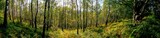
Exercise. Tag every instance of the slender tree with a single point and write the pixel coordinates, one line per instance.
(60, 24)
(51, 14)
(81, 14)
(21, 4)
(13, 10)
(96, 13)
(9, 12)
(35, 20)
(66, 18)
(48, 15)
(72, 10)
(62, 16)
(108, 13)
(77, 17)
(5, 14)
(60, 20)
(44, 21)
(92, 10)
(32, 13)
(64, 12)
(84, 15)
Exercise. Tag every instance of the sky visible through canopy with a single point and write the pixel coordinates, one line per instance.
(66, 2)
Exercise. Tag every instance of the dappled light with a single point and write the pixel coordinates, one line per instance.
(79, 19)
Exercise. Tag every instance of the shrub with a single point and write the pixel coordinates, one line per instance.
(148, 28)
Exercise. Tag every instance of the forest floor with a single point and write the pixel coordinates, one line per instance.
(115, 30)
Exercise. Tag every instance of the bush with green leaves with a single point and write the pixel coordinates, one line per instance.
(148, 28)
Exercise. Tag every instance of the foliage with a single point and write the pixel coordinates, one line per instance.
(2, 3)
(68, 21)
(149, 28)
(14, 30)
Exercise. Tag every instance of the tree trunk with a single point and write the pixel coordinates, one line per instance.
(44, 21)
(81, 20)
(5, 14)
(86, 23)
(35, 20)
(107, 18)
(77, 18)
(138, 10)
(84, 15)
(62, 17)
(66, 19)
(13, 10)
(48, 15)
(96, 13)
(32, 12)
(92, 22)
(21, 3)
(9, 12)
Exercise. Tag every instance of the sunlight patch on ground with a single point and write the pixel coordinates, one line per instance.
(110, 30)
(65, 34)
